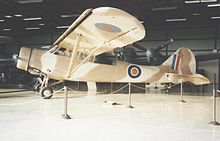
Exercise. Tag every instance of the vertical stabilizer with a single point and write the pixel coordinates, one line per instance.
(182, 61)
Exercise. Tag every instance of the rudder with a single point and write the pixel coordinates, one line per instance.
(182, 61)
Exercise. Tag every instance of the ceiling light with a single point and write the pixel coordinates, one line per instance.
(6, 29)
(32, 19)
(215, 17)
(192, 1)
(164, 8)
(32, 28)
(29, 1)
(61, 27)
(199, 1)
(208, 0)
(175, 20)
(196, 14)
(8, 16)
(18, 15)
(214, 5)
(2, 20)
(41, 24)
(69, 15)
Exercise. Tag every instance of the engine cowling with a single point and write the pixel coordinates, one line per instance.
(24, 58)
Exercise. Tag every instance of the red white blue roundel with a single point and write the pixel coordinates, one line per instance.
(134, 71)
(107, 27)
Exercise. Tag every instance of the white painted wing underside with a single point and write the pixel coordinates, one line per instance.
(106, 28)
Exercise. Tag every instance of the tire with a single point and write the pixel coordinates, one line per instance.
(46, 92)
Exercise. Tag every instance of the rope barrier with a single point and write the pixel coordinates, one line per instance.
(119, 89)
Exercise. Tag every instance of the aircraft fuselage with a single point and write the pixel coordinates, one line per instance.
(56, 67)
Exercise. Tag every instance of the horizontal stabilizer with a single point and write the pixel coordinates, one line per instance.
(196, 79)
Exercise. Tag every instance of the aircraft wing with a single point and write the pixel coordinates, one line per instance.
(101, 30)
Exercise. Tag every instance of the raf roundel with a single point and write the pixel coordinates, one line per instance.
(108, 27)
(134, 71)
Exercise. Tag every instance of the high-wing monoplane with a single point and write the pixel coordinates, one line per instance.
(97, 31)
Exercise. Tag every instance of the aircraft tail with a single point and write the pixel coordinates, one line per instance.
(183, 68)
(182, 61)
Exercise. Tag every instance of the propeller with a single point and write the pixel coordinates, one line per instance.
(13, 59)
(153, 55)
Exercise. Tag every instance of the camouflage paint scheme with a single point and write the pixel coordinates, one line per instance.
(101, 30)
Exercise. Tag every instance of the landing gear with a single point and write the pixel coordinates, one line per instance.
(46, 92)
(37, 87)
(41, 87)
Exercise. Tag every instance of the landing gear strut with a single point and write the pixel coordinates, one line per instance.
(42, 88)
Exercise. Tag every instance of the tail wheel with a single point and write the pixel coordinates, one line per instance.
(46, 92)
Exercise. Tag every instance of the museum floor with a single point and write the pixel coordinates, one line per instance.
(156, 117)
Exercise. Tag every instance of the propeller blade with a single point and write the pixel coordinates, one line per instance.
(139, 46)
(13, 59)
(167, 43)
(4, 60)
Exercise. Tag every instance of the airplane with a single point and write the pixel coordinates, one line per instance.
(97, 31)
(142, 56)
(150, 56)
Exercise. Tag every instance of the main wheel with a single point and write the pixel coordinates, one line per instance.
(46, 92)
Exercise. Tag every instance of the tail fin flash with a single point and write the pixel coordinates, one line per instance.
(175, 62)
(182, 61)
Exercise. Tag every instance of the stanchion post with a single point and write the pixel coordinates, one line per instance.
(129, 95)
(65, 115)
(214, 122)
(181, 93)
(111, 88)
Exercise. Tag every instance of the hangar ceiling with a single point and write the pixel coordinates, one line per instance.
(28, 17)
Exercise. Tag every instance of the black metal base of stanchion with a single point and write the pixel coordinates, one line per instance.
(182, 101)
(66, 116)
(214, 123)
(111, 102)
(131, 107)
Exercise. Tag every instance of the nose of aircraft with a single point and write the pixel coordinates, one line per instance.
(24, 58)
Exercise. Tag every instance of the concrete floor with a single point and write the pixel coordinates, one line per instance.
(156, 117)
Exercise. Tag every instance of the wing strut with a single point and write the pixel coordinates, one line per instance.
(84, 60)
(100, 45)
(74, 51)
